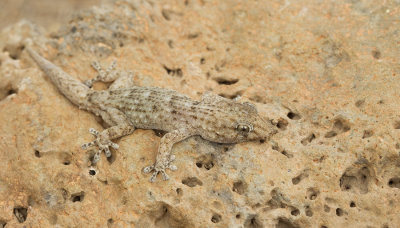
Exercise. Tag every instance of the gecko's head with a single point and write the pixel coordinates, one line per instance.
(240, 122)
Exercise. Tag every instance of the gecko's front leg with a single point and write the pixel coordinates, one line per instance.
(164, 158)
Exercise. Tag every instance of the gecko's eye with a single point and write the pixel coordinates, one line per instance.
(244, 128)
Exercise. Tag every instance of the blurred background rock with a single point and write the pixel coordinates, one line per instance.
(49, 14)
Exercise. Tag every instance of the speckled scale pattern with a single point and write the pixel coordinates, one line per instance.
(125, 107)
(148, 107)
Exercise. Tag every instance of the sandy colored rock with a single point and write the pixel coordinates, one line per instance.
(326, 73)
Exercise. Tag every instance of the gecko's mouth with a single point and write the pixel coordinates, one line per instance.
(240, 138)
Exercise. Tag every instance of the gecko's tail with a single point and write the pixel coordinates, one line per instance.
(73, 89)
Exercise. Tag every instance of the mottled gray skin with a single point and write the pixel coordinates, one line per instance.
(214, 118)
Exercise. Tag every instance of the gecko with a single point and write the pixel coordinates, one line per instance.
(125, 107)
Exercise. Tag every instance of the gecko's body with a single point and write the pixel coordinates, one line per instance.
(214, 118)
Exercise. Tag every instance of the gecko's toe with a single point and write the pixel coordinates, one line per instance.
(93, 131)
(87, 145)
(153, 177)
(158, 169)
(103, 144)
(89, 83)
(114, 145)
(96, 157)
(107, 151)
(164, 175)
(148, 169)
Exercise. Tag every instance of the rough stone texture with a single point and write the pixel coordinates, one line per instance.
(48, 13)
(327, 73)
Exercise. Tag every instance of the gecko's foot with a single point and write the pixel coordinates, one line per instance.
(89, 83)
(108, 75)
(160, 168)
(102, 142)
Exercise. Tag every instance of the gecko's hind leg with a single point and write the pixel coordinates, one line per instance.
(108, 75)
(120, 127)
(103, 142)
(120, 79)
(103, 139)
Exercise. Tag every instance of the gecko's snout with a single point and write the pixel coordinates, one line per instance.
(264, 129)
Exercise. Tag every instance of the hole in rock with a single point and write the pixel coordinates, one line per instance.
(394, 182)
(376, 54)
(77, 197)
(327, 209)
(66, 163)
(226, 81)
(192, 182)
(166, 14)
(308, 139)
(341, 125)
(295, 212)
(356, 180)
(112, 158)
(21, 213)
(312, 193)
(296, 180)
(231, 96)
(193, 36)
(207, 161)
(11, 91)
(339, 212)
(7, 91)
(110, 222)
(293, 116)
(282, 124)
(174, 72)
(309, 212)
(170, 44)
(216, 218)
(396, 125)
(208, 165)
(287, 154)
(359, 103)
(330, 134)
(179, 191)
(368, 133)
(14, 51)
(285, 223)
(239, 187)
(92, 172)
(253, 222)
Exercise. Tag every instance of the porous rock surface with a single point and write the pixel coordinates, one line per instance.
(326, 73)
